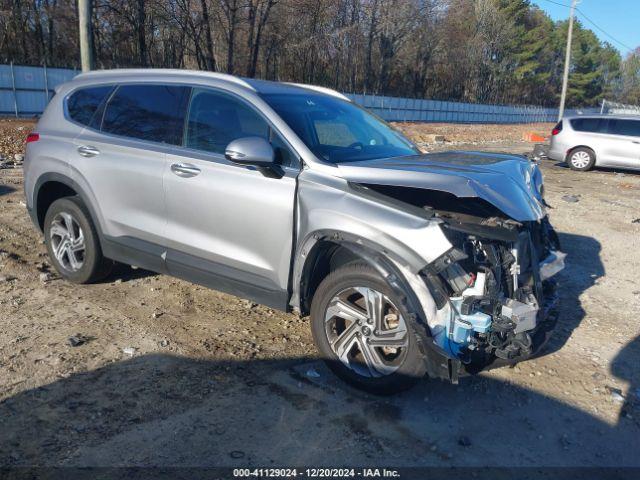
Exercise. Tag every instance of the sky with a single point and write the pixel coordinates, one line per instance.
(619, 18)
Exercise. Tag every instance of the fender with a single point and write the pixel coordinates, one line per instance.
(69, 182)
(414, 294)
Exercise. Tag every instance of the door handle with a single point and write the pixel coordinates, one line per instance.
(185, 170)
(88, 151)
(635, 141)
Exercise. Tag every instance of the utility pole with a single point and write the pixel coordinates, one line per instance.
(86, 38)
(567, 61)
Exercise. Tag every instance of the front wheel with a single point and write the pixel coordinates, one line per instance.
(364, 333)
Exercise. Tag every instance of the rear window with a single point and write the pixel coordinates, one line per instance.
(83, 104)
(624, 127)
(147, 112)
(594, 125)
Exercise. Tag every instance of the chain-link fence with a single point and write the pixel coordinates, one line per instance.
(614, 108)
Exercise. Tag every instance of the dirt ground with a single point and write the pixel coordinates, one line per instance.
(172, 374)
(473, 134)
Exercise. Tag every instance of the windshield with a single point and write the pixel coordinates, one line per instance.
(338, 131)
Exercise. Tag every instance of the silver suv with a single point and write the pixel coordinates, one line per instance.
(294, 197)
(604, 141)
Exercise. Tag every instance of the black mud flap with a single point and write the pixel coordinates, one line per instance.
(440, 366)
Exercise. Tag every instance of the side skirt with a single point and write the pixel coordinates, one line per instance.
(197, 270)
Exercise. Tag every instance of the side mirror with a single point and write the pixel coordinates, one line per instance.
(255, 151)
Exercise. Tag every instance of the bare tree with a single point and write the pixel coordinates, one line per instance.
(230, 9)
(472, 50)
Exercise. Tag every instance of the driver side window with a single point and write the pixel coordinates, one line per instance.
(216, 119)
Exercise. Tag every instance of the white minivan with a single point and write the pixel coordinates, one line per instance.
(603, 141)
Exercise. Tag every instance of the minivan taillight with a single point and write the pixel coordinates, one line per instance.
(33, 137)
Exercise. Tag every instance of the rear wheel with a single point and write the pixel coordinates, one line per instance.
(364, 332)
(72, 242)
(581, 159)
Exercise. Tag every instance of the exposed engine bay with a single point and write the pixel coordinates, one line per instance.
(493, 290)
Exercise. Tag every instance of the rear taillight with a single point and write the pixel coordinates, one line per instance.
(33, 137)
(555, 131)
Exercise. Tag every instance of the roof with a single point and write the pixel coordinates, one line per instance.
(259, 86)
(269, 87)
(618, 116)
(161, 73)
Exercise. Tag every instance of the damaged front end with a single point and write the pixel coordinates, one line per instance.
(493, 294)
(467, 235)
(494, 288)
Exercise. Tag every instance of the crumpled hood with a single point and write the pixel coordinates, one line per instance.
(509, 182)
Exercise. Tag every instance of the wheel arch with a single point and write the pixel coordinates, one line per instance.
(52, 186)
(325, 251)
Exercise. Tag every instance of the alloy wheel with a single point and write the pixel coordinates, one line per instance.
(67, 242)
(366, 331)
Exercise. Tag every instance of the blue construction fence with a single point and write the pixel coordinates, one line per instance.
(397, 109)
(25, 92)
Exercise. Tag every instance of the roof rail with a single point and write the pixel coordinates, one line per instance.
(165, 71)
(316, 88)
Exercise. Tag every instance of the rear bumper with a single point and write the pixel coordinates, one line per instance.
(557, 154)
(557, 150)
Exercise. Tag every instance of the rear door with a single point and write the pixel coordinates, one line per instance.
(121, 159)
(230, 227)
(624, 143)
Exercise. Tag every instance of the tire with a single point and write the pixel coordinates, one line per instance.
(79, 258)
(581, 159)
(392, 371)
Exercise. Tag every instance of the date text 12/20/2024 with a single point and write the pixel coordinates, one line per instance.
(315, 473)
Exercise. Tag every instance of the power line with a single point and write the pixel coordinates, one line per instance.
(603, 31)
(558, 3)
(593, 23)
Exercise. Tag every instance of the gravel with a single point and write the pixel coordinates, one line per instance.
(212, 375)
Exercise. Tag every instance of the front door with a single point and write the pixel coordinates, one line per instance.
(229, 227)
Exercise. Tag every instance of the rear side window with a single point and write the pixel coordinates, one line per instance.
(593, 125)
(624, 127)
(83, 104)
(147, 112)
